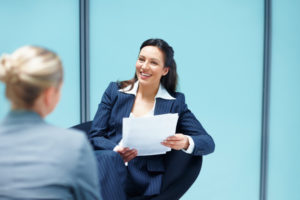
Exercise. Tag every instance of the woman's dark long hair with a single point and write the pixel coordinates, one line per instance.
(169, 81)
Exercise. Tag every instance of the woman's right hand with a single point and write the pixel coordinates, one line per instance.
(126, 153)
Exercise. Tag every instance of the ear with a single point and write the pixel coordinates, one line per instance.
(48, 95)
(165, 70)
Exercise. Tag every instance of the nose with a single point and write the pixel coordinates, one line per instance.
(145, 65)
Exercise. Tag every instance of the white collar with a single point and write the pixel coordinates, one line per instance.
(161, 93)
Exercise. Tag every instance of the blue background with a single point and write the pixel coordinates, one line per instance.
(219, 53)
(49, 23)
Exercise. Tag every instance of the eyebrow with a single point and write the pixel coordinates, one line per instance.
(153, 59)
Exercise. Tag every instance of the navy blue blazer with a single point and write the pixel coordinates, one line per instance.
(106, 131)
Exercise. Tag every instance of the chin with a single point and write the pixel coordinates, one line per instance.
(144, 81)
(148, 83)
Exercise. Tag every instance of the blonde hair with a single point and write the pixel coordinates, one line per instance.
(27, 72)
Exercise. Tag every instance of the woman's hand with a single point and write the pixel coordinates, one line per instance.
(126, 153)
(177, 141)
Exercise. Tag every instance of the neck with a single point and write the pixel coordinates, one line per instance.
(34, 108)
(39, 110)
(147, 92)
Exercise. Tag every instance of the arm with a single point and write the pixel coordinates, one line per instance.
(188, 125)
(86, 176)
(98, 134)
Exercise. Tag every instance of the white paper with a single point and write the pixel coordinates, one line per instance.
(145, 134)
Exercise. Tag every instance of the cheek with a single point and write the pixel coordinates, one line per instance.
(159, 72)
(138, 66)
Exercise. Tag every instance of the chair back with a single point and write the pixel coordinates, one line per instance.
(85, 127)
(182, 170)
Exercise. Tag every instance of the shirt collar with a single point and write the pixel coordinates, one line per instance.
(22, 116)
(161, 93)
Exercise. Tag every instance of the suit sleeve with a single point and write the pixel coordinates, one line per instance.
(99, 130)
(189, 125)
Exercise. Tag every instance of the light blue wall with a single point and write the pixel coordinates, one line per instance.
(218, 48)
(284, 160)
(53, 24)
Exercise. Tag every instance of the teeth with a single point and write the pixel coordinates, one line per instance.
(143, 74)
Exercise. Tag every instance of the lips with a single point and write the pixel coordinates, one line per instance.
(144, 75)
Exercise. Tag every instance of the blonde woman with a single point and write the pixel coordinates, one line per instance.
(38, 160)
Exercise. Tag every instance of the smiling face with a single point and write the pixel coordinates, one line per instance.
(150, 66)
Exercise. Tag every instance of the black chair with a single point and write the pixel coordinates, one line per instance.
(181, 170)
(85, 127)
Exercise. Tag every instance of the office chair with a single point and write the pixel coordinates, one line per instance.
(181, 170)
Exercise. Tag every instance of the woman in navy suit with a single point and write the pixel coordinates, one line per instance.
(152, 91)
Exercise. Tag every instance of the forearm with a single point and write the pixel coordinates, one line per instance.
(204, 144)
(101, 143)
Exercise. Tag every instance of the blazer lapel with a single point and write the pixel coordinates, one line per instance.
(127, 101)
(163, 106)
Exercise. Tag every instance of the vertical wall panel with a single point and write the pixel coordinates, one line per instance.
(53, 24)
(284, 147)
(219, 51)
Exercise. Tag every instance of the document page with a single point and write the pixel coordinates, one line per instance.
(145, 134)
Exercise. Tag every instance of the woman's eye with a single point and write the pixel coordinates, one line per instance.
(141, 59)
(154, 63)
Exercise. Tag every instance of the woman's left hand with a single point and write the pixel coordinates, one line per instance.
(178, 141)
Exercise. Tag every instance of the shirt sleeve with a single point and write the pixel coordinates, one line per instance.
(191, 146)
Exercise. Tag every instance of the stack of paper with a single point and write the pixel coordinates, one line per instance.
(145, 134)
